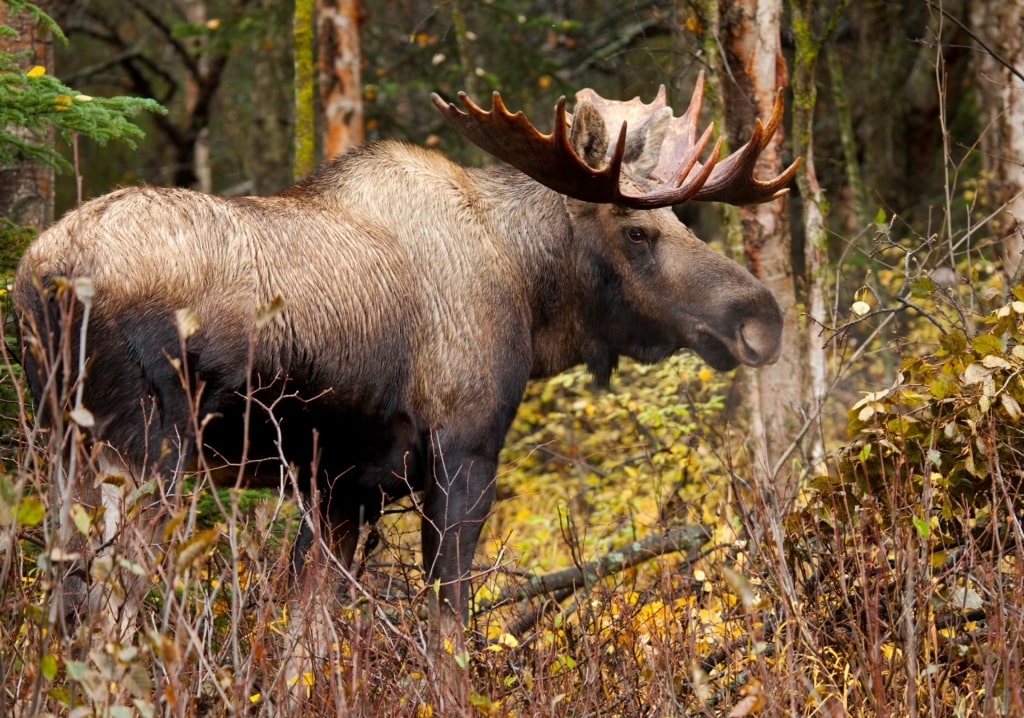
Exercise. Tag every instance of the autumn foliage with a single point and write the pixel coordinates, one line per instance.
(894, 587)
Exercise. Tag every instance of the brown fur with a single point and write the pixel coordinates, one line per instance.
(419, 298)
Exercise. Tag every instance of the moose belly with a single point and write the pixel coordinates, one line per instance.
(349, 452)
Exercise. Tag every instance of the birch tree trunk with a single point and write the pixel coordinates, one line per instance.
(999, 24)
(754, 72)
(26, 189)
(341, 91)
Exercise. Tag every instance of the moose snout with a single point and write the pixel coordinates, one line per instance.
(760, 335)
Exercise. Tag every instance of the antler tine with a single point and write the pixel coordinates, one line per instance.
(549, 159)
(733, 180)
(552, 160)
(676, 192)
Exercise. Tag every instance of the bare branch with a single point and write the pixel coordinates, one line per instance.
(566, 582)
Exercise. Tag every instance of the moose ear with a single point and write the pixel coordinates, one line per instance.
(589, 136)
(643, 145)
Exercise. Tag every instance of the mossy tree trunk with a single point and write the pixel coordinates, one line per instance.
(305, 127)
(811, 29)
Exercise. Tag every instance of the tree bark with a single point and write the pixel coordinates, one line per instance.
(810, 44)
(999, 26)
(268, 161)
(195, 14)
(26, 189)
(756, 70)
(341, 90)
(302, 46)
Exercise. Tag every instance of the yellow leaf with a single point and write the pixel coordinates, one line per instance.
(81, 518)
(507, 639)
(193, 549)
(37, 71)
(890, 651)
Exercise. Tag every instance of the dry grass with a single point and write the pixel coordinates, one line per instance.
(827, 611)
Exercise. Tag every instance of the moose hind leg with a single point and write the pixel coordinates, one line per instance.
(317, 592)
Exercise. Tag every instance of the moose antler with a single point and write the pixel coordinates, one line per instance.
(552, 161)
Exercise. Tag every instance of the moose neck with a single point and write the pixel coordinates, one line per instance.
(535, 224)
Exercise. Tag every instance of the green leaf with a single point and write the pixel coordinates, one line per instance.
(30, 511)
(923, 527)
(60, 694)
(985, 344)
(939, 388)
(922, 287)
(48, 666)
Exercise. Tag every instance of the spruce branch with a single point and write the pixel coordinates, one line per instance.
(33, 102)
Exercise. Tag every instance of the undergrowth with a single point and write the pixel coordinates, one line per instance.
(895, 587)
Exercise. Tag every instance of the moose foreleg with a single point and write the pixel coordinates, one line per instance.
(458, 497)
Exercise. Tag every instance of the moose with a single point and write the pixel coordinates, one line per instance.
(411, 301)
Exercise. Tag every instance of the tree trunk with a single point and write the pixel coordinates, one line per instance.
(813, 206)
(195, 14)
(26, 189)
(341, 91)
(268, 160)
(999, 24)
(302, 46)
(751, 32)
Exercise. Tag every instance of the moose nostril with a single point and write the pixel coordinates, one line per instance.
(751, 355)
(760, 342)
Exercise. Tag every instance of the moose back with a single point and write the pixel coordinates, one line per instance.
(413, 300)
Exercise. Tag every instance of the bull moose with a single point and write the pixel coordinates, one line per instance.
(415, 298)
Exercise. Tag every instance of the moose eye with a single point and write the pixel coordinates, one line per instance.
(636, 234)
